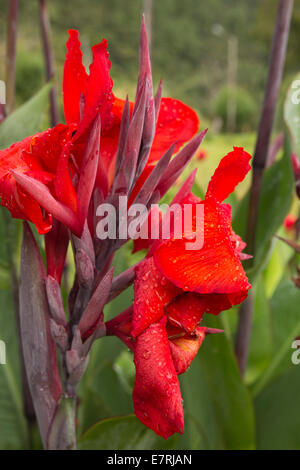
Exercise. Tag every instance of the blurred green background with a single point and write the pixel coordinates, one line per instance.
(189, 48)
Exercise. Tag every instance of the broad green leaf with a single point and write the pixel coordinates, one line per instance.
(292, 116)
(277, 413)
(274, 270)
(285, 328)
(13, 429)
(26, 120)
(122, 433)
(275, 201)
(10, 234)
(217, 405)
(102, 391)
(260, 353)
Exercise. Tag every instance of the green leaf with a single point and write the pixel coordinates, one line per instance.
(26, 120)
(291, 115)
(285, 327)
(122, 433)
(261, 341)
(102, 391)
(218, 408)
(275, 201)
(13, 429)
(277, 413)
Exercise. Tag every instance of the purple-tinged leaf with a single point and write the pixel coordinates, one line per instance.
(212, 331)
(134, 136)
(179, 162)
(88, 170)
(154, 178)
(38, 346)
(157, 100)
(56, 246)
(76, 365)
(59, 334)
(42, 195)
(295, 246)
(147, 137)
(122, 136)
(121, 282)
(144, 62)
(84, 268)
(62, 435)
(96, 304)
(185, 189)
(55, 301)
(85, 243)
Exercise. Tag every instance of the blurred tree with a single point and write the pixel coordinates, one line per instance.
(191, 60)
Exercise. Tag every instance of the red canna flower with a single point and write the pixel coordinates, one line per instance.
(289, 222)
(173, 289)
(54, 173)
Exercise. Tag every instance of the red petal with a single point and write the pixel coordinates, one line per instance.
(151, 293)
(56, 245)
(184, 349)
(177, 122)
(32, 212)
(98, 96)
(17, 201)
(186, 311)
(156, 395)
(231, 171)
(215, 268)
(74, 80)
(47, 146)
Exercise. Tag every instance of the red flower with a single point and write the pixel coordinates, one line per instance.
(52, 173)
(173, 289)
(289, 222)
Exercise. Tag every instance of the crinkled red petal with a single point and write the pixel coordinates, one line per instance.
(176, 122)
(156, 395)
(152, 291)
(47, 146)
(215, 268)
(186, 310)
(99, 97)
(231, 171)
(185, 348)
(74, 79)
(17, 201)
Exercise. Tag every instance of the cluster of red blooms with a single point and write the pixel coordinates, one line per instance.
(56, 179)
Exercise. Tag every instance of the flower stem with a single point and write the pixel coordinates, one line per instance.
(277, 59)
